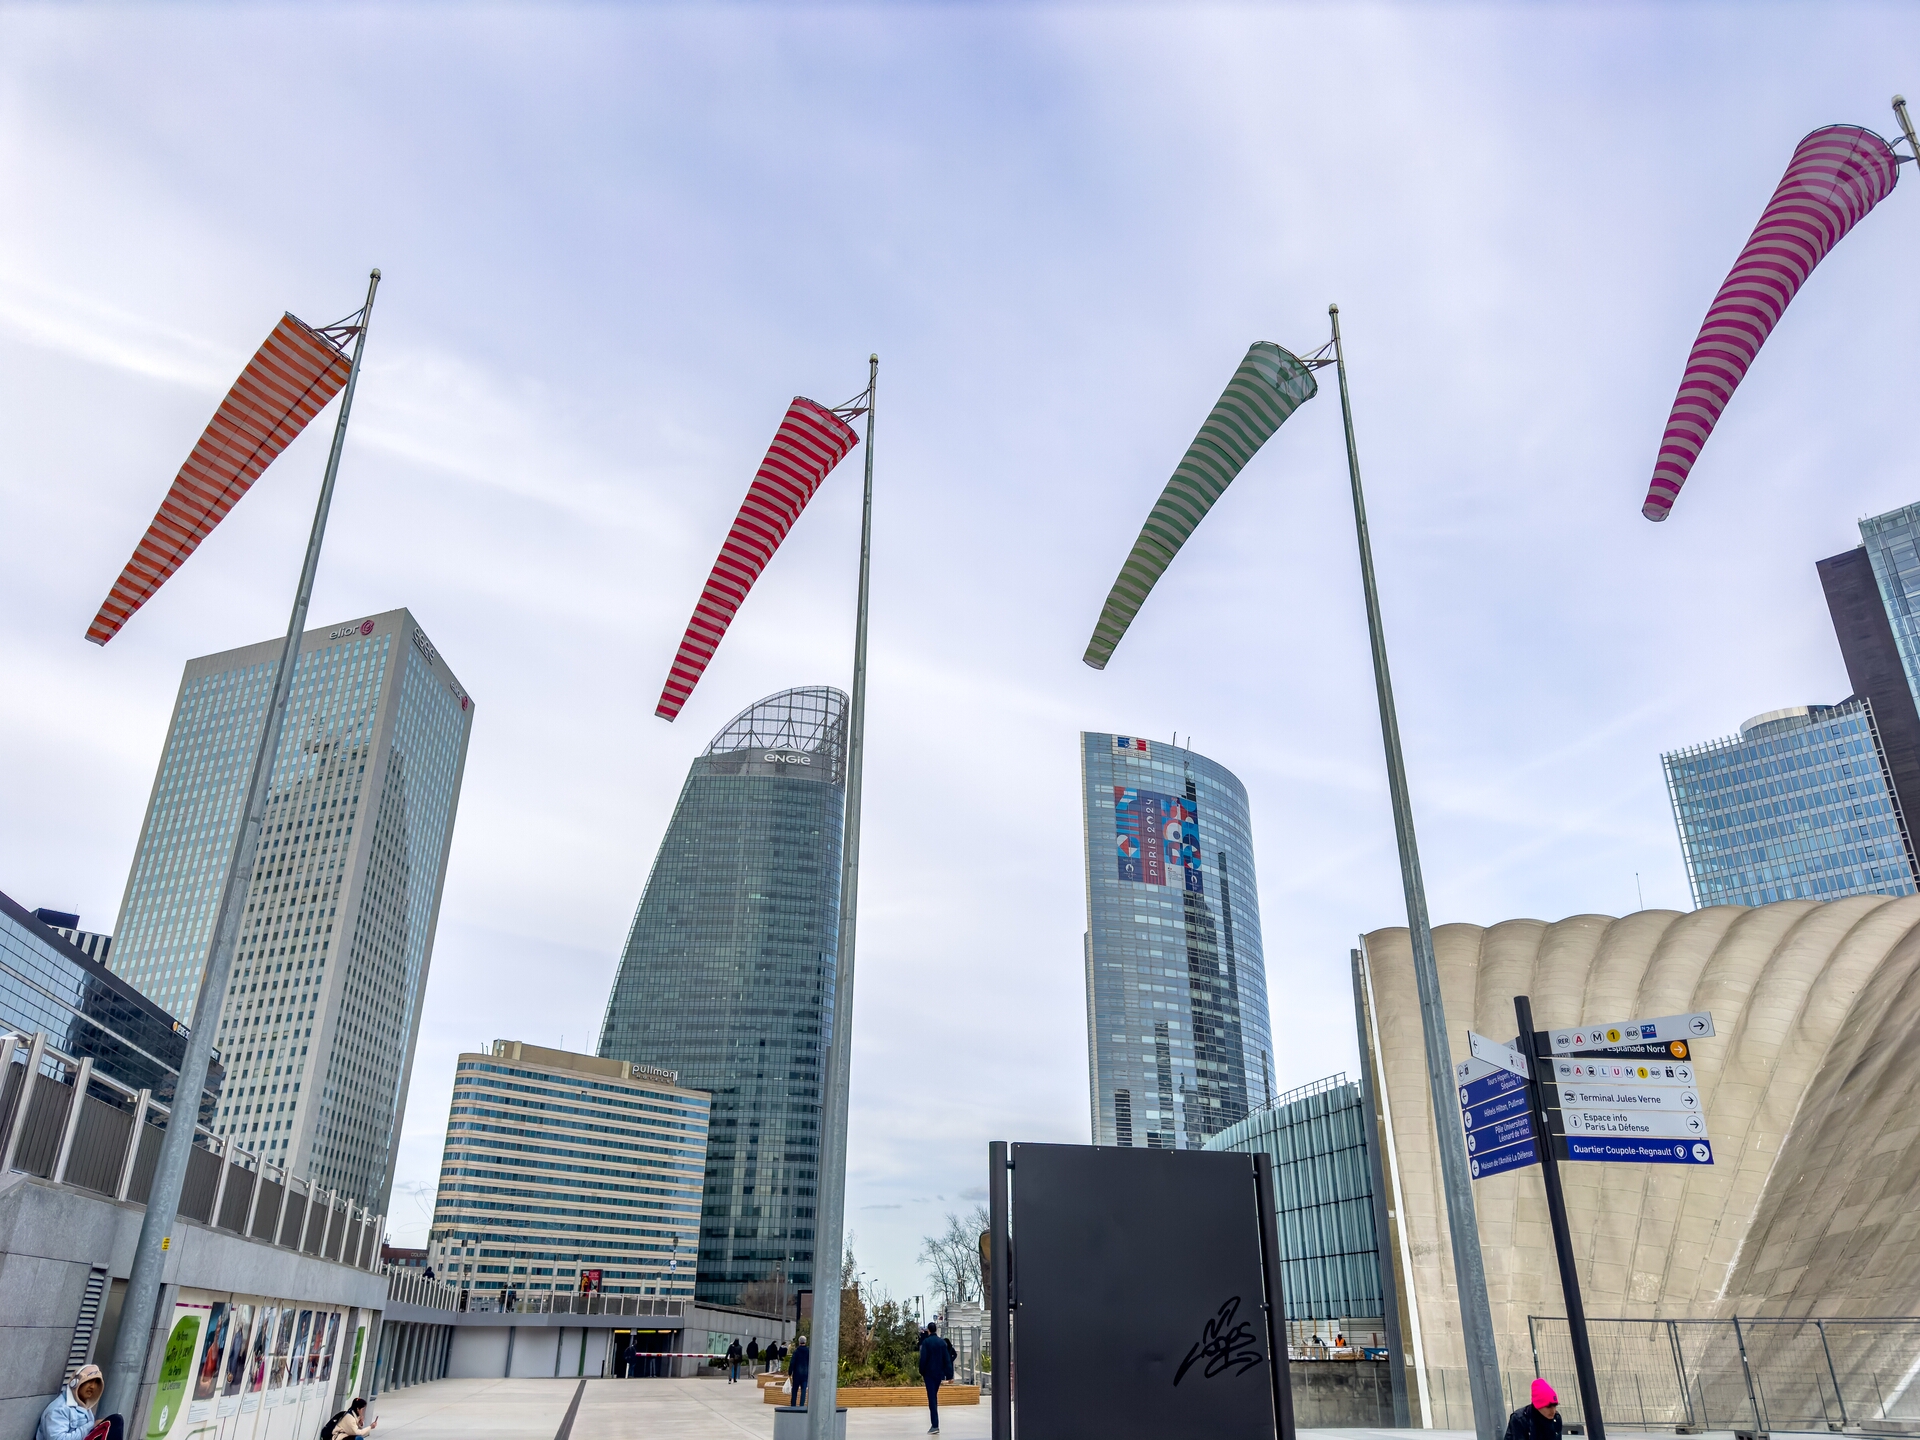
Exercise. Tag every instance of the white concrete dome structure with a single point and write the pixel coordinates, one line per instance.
(1810, 1091)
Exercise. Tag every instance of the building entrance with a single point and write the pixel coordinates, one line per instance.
(644, 1353)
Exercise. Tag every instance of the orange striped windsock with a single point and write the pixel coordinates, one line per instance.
(1835, 177)
(296, 371)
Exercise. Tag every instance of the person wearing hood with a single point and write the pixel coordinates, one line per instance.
(1539, 1420)
(69, 1415)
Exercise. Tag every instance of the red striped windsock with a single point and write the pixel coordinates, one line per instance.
(1836, 176)
(811, 440)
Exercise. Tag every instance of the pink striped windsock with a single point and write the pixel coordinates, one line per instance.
(1836, 176)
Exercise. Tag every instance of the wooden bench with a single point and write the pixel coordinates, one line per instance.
(859, 1396)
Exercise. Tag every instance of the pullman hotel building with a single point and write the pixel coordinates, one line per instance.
(568, 1172)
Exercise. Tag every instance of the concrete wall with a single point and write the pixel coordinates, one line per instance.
(480, 1352)
(53, 1236)
(1338, 1394)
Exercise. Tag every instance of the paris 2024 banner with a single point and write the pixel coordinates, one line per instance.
(1157, 838)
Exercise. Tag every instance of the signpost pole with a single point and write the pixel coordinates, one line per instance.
(1562, 1235)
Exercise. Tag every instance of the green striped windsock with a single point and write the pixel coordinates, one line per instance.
(1270, 385)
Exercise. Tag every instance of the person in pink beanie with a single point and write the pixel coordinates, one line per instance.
(1539, 1420)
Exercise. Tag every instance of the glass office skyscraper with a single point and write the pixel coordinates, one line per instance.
(728, 976)
(1892, 543)
(1873, 591)
(1178, 1042)
(50, 986)
(1800, 805)
(323, 1006)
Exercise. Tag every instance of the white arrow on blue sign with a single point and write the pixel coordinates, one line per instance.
(1493, 1111)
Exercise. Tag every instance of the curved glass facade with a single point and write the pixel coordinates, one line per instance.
(1323, 1193)
(727, 977)
(1178, 1041)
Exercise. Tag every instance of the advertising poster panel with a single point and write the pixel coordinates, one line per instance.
(277, 1361)
(206, 1375)
(297, 1358)
(333, 1341)
(1157, 838)
(310, 1367)
(234, 1370)
(177, 1370)
(257, 1361)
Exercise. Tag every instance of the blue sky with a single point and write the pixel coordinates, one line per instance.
(616, 240)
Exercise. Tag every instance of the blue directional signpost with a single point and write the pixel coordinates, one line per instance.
(1620, 1091)
(1495, 1108)
(1626, 1091)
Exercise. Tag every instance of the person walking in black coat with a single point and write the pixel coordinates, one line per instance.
(1539, 1420)
(753, 1357)
(734, 1354)
(936, 1364)
(798, 1369)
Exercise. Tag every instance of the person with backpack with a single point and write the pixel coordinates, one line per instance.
(733, 1362)
(936, 1364)
(346, 1425)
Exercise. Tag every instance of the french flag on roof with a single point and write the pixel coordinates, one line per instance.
(1130, 743)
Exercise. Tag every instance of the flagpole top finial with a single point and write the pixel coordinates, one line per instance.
(874, 359)
(376, 273)
(1333, 309)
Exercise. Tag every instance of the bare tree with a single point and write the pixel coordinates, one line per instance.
(952, 1257)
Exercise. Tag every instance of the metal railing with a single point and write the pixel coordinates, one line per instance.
(410, 1285)
(64, 1121)
(494, 1302)
(1760, 1373)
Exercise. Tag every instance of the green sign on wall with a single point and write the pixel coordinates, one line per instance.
(175, 1369)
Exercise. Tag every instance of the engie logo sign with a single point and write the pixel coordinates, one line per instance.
(783, 757)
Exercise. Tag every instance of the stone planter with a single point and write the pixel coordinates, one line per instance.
(899, 1396)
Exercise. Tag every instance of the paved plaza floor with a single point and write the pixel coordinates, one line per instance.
(628, 1410)
(697, 1410)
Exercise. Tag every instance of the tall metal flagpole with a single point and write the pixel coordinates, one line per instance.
(823, 1390)
(1469, 1269)
(1906, 125)
(163, 1197)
